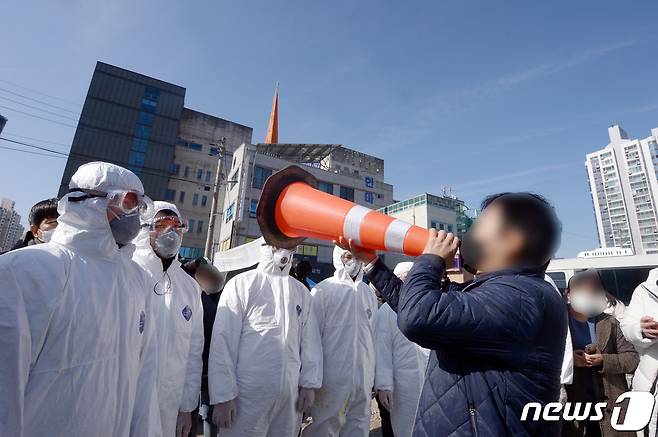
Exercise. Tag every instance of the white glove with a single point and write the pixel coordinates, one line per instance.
(183, 424)
(224, 414)
(305, 399)
(386, 398)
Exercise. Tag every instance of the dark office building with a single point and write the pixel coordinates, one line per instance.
(131, 120)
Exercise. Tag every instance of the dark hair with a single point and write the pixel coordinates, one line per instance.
(46, 209)
(585, 276)
(303, 268)
(535, 218)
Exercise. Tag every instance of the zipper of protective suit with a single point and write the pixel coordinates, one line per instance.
(283, 333)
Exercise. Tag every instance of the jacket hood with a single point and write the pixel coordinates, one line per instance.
(83, 225)
(266, 264)
(340, 272)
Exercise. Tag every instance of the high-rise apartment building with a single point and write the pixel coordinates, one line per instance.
(623, 185)
(11, 229)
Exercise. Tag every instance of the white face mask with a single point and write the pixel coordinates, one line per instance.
(281, 258)
(46, 235)
(167, 245)
(587, 304)
(352, 267)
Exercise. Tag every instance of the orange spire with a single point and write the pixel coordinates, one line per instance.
(273, 125)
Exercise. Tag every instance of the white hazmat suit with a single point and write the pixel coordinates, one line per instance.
(178, 318)
(345, 309)
(76, 337)
(400, 367)
(265, 346)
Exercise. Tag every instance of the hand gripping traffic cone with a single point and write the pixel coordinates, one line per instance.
(291, 209)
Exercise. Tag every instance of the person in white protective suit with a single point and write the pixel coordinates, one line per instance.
(265, 353)
(76, 337)
(400, 367)
(345, 308)
(178, 317)
(640, 327)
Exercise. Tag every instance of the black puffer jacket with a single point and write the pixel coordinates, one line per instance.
(497, 343)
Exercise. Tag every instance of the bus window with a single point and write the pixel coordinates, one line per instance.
(560, 280)
(622, 282)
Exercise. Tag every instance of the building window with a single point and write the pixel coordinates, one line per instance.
(187, 171)
(195, 199)
(204, 200)
(369, 197)
(142, 131)
(208, 175)
(170, 195)
(347, 193)
(307, 250)
(199, 174)
(139, 145)
(175, 168)
(449, 228)
(181, 197)
(370, 182)
(190, 224)
(214, 151)
(150, 99)
(229, 213)
(145, 118)
(326, 187)
(225, 245)
(260, 176)
(136, 158)
(191, 252)
(253, 206)
(199, 227)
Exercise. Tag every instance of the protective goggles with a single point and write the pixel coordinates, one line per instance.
(165, 223)
(125, 202)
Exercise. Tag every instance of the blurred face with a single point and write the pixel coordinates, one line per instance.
(208, 282)
(490, 245)
(587, 298)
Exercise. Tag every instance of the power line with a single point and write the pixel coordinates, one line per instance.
(38, 101)
(81, 126)
(147, 170)
(36, 116)
(37, 108)
(31, 152)
(36, 139)
(38, 92)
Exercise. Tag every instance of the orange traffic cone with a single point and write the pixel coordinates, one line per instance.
(291, 209)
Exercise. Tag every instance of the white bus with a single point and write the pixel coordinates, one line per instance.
(620, 274)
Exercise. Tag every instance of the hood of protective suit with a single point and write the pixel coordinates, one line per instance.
(267, 265)
(340, 272)
(83, 225)
(159, 205)
(402, 268)
(143, 240)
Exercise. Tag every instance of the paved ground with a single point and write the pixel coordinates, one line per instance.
(375, 422)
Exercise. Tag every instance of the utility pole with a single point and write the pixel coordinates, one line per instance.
(215, 199)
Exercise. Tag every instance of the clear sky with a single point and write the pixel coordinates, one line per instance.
(482, 96)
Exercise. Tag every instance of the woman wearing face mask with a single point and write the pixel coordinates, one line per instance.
(602, 356)
(178, 313)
